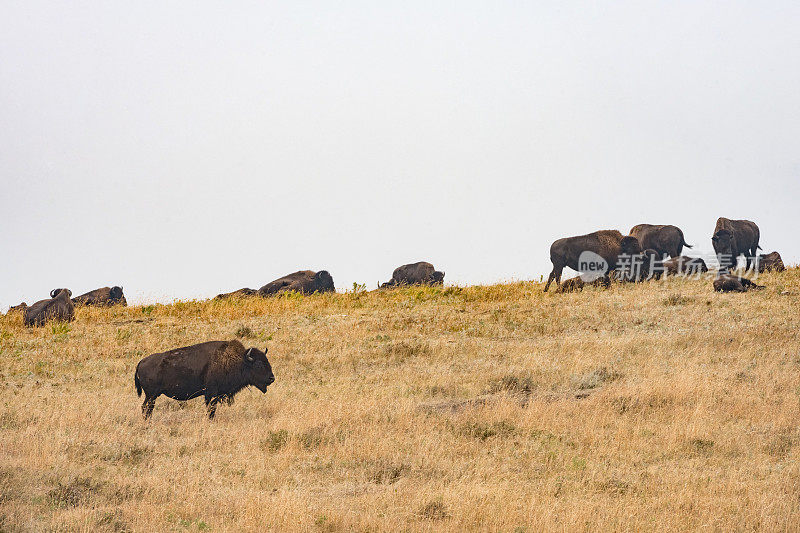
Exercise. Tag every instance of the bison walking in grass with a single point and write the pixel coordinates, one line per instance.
(665, 239)
(421, 273)
(57, 307)
(216, 370)
(102, 297)
(605, 245)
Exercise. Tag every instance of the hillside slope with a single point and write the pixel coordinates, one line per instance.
(659, 406)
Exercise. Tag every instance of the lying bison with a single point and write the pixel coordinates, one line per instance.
(421, 273)
(241, 293)
(684, 265)
(216, 370)
(665, 239)
(304, 281)
(58, 307)
(605, 246)
(770, 262)
(18, 308)
(726, 282)
(733, 238)
(102, 297)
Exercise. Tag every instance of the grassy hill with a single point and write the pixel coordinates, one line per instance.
(658, 406)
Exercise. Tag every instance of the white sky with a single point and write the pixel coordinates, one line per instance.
(181, 149)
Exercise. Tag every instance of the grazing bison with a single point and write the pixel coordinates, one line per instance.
(733, 238)
(771, 262)
(421, 273)
(216, 370)
(607, 244)
(684, 265)
(726, 282)
(58, 307)
(241, 293)
(102, 297)
(304, 281)
(665, 239)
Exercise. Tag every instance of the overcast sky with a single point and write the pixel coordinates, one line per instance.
(182, 149)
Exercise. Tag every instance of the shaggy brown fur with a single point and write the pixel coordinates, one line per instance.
(303, 281)
(684, 265)
(733, 238)
(241, 293)
(216, 370)
(770, 262)
(726, 282)
(567, 251)
(665, 239)
(575, 284)
(58, 307)
(102, 297)
(421, 273)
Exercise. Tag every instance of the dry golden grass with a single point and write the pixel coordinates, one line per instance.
(659, 406)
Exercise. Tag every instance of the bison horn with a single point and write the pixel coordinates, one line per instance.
(249, 355)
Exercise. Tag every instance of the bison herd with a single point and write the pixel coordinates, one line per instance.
(218, 370)
(604, 253)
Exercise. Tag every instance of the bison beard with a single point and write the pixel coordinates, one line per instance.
(216, 370)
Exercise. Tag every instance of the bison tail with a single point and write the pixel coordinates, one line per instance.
(687, 245)
(138, 384)
(760, 248)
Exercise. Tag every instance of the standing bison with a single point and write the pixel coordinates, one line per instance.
(58, 307)
(304, 282)
(607, 245)
(216, 370)
(102, 297)
(421, 273)
(665, 239)
(733, 238)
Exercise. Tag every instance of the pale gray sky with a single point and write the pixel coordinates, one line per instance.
(181, 149)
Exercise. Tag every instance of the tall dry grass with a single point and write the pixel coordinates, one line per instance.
(643, 407)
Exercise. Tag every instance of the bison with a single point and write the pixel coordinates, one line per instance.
(733, 238)
(216, 370)
(665, 239)
(21, 308)
(304, 281)
(771, 261)
(241, 293)
(575, 284)
(684, 265)
(725, 282)
(421, 273)
(102, 297)
(607, 245)
(58, 307)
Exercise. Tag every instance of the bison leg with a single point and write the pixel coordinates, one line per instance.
(211, 406)
(555, 274)
(148, 405)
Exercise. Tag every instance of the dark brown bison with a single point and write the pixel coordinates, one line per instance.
(304, 281)
(770, 262)
(684, 265)
(606, 245)
(421, 273)
(216, 370)
(102, 297)
(575, 284)
(241, 293)
(726, 282)
(58, 307)
(665, 239)
(733, 238)
(21, 308)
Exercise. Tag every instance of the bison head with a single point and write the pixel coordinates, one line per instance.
(723, 246)
(56, 292)
(258, 369)
(438, 277)
(323, 282)
(630, 246)
(116, 293)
